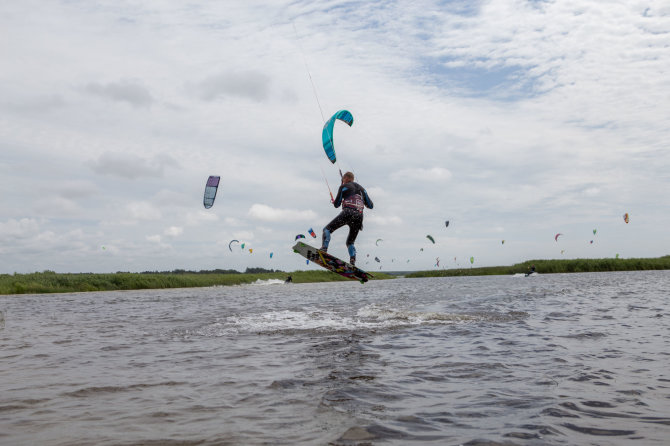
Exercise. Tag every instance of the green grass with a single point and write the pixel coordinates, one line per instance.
(51, 282)
(556, 266)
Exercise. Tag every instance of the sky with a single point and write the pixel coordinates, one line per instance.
(513, 120)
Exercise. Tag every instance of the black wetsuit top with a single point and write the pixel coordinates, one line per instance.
(352, 195)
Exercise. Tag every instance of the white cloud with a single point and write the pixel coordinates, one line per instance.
(22, 228)
(131, 166)
(267, 213)
(142, 210)
(174, 231)
(432, 174)
(246, 84)
(127, 91)
(155, 238)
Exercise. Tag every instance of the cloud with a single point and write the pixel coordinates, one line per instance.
(130, 166)
(173, 231)
(130, 92)
(38, 104)
(432, 174)
(23, 228)
(75, 189)
(267, 213)
(142, 210)
(245, 84)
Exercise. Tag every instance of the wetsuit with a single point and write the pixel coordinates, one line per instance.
(353, 198)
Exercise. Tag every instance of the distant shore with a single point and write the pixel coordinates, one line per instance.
(555, 266)
(51, 282)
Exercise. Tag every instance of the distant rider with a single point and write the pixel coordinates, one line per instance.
(353, 198)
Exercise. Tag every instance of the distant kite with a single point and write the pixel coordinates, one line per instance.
(231, 242)
(503, 242)
(210, 191)
(437, 259)
(626, 218)
(557, 235)
(312, 233)
(271, 254)
(472, 260)
(377, 260)
(595, 231)
(446, 223)
(377, 242)
(430, 237)
(299, 236)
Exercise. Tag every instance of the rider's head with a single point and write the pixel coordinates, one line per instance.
(347, 177)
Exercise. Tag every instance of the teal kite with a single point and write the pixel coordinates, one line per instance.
(327, 134)
(430, 237)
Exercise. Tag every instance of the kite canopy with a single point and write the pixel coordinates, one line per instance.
(231, 242)
(210, 191)
(556, 236)
(312, 233)
(377, 260)
(626, 218)
(327, 133)
(430, 237)
(446, 223)
(378, 240)
(299, 236)
(472, 260)
(594, 231)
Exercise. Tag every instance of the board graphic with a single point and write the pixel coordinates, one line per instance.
(331, 263)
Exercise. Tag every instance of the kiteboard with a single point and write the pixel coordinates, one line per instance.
(330, 262)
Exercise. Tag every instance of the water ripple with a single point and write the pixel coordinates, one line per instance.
(561, 359)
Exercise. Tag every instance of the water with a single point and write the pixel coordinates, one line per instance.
(545, 360)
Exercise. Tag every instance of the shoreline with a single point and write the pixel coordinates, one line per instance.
(555, 266)
(49, 282)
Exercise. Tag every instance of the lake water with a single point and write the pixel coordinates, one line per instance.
(564, 359)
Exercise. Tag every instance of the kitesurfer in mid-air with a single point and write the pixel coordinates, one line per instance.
(353, 198)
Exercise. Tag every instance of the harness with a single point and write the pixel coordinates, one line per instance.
(355, 202)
